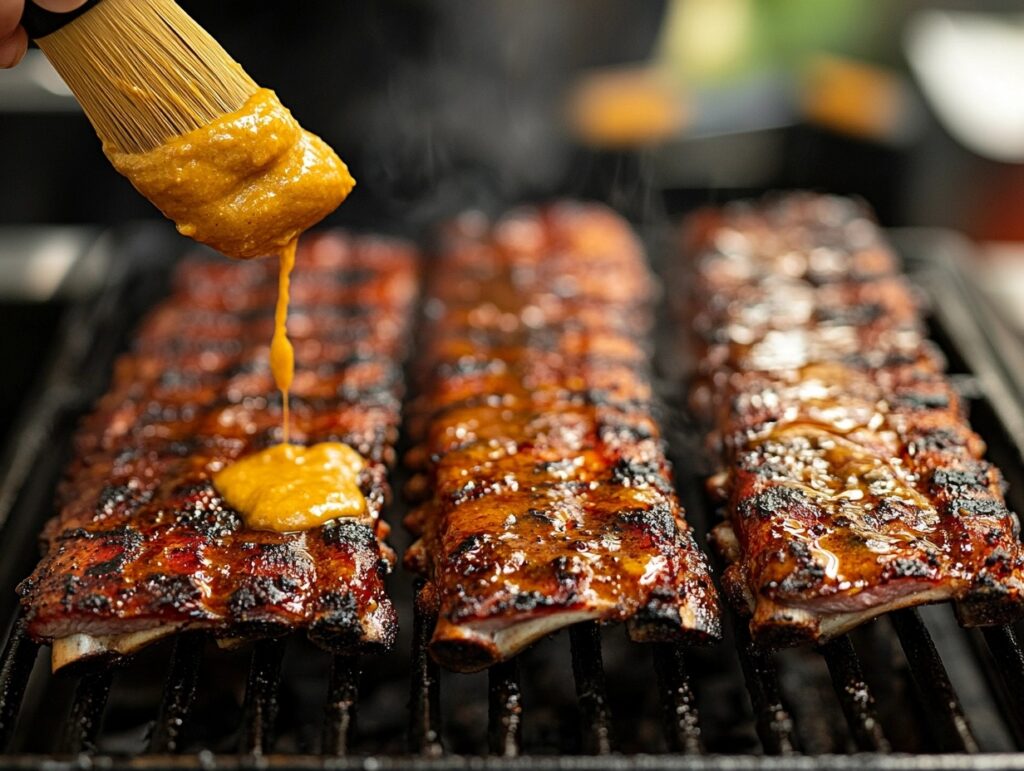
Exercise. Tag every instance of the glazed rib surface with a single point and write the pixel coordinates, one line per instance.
(144, 545)
(545, 495)
(851, 481)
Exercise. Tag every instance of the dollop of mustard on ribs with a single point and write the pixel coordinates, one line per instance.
(545, 495)
(143, 544)
(851, 482)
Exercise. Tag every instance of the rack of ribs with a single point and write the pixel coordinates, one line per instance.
(545, 497)
(144, 546)
(851, 482)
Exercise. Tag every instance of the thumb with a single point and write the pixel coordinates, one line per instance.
(59, 6)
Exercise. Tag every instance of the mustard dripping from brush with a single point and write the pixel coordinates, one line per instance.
(227, 162)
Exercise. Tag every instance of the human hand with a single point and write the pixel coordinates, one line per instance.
(13, 40)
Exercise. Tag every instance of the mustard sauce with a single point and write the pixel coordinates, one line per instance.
(247, 184)
(287, 487)
(282, 354)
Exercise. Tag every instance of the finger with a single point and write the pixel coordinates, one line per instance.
(59, 6)
(10, 16)
(13, 47)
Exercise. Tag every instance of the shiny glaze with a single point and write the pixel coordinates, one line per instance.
(546, 491)
(851, 480)
(143, 539)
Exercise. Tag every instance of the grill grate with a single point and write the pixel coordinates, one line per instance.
(887, 683)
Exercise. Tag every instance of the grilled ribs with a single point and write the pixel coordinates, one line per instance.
(143, 544)
(545, 495)
(851, 482)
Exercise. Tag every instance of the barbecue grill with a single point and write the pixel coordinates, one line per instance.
(910, 690)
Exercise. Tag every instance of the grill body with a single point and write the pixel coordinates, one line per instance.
(911, 690)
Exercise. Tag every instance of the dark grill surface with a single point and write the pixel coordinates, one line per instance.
(911, 690)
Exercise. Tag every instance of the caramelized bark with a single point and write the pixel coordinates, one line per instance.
(144, 542)
(851, 481)
(546, 495)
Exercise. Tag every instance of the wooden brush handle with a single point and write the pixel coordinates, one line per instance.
(39, 22)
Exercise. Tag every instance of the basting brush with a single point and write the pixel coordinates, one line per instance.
(193, 132)
(143, 70)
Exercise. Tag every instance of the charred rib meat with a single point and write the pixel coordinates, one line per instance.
(546, 497)
(144, 545)
(851, 481)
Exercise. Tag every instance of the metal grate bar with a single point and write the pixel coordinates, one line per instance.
(340, 711)
(425, 700)
(854, 695)
(18, 658)
(591, 690)
(682, 728)
(938, 698)
(86, 717)
(179, 693)
(1005, 673)
(505, 709)
(260, 711)
(772, 720)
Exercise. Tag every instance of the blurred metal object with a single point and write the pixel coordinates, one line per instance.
(999, 273)
(969, 66)
(44, 263)
(34, 86)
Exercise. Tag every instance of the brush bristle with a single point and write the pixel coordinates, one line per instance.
(145, 72)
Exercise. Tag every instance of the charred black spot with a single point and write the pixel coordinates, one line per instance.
(985, 507)
(631, 473)
(472, 556)
(337, 611)
(468, 544)
(997, 557)
(199, 507)
(661, 609)
(526, 601)
(94, 603)
(348, 532)
(261, 592)
(989, 584)
(658, 521)
(283, 556)
(120, 499)
(770, 502)
(937, 440)
(113, 565)
(904, 567)
(889, 510)
(471, 491)
(993, 536)
(921, 400)
(969, 477)
(170, 591)
(70, 590)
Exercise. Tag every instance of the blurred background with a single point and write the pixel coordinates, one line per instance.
(656, 106)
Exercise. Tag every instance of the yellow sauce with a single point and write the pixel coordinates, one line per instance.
(247, 184)
(282, 354)
(287, 487)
